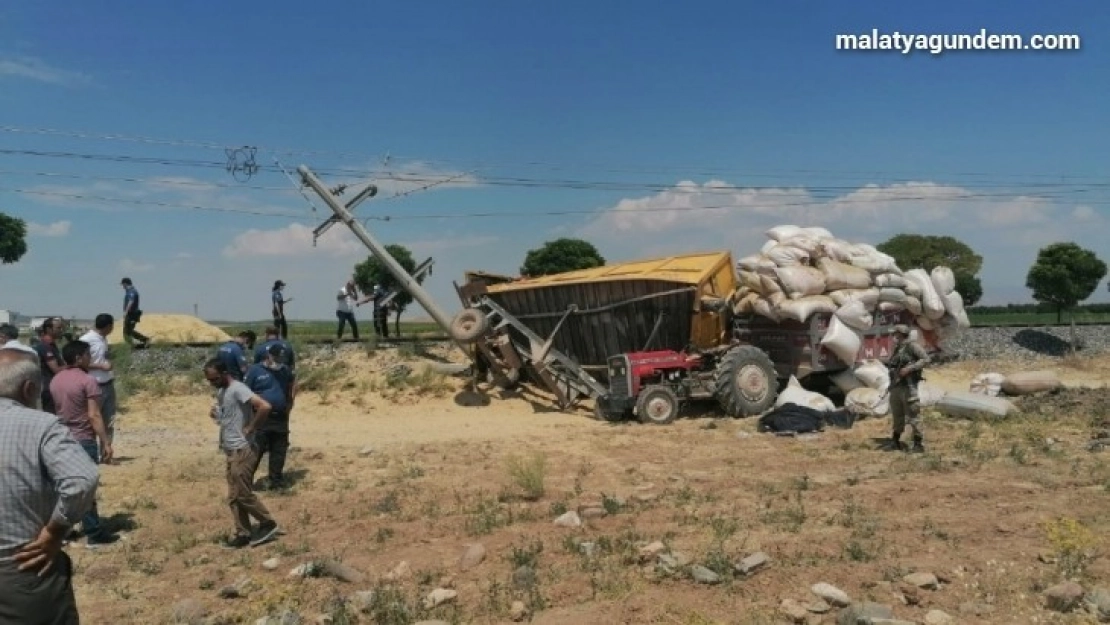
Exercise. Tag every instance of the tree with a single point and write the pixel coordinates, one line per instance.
(1064, 275)
(561, 255)
(373, 271)
(13, 239)
(930, 251)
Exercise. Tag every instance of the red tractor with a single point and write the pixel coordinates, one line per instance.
(653, 386)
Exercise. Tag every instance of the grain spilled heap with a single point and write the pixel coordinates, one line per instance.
(172, 329)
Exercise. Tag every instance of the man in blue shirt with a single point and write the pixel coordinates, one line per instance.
(132, 314)
(277, 304)
(274, 382)
(289, 358)
(232, 355)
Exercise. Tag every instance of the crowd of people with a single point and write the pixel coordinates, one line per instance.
(58, 417)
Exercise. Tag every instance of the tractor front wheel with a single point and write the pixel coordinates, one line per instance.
(468, 325)
(657, 405)
(745, 382)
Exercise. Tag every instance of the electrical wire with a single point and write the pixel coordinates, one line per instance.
(489, 214)
(117, 200)
(522, 182)
(480, 165)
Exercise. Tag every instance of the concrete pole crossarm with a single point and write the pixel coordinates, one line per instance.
(406, 280)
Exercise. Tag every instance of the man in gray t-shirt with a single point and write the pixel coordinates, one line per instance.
(239, 412)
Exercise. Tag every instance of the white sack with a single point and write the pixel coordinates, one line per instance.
(843, 341)
(801, 281)
(811, 245)
(855, 315)
(867, 402)
(897, 296)
(873, 374)
(889, 307)
(768, 285)
(963, 404)
(818, 233)
(884, 280)
(803, 308)
(912, 288)
(842, 275)
(989, 384)
(944, 281)
(764, 308)
(750, 280)
(788, 256)
(749, 263)
(954, 305)
(1028, 382)
(846, 381)
(767, 246)
(913, 305)
(869, 297)
(929, 395)
(931, 303)
(925, 323)
(836, 249)
(795, 394)
(867, 257)
(776, 298)
(745, 305)
(781, 233)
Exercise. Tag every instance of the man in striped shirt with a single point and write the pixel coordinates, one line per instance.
(47, 483)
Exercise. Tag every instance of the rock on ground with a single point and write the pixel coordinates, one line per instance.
(473, 556)
(922, 580)
(189, 612)
(439, 596)
(752, 563)
(866, 611)
(703, 575)
(831, 593)
(938, 617)
(1064, 597)
(570, 519)
(793, 611)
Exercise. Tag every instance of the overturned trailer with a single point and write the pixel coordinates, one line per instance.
(669, 303)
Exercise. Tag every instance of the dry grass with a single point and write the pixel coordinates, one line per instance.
(978, 510)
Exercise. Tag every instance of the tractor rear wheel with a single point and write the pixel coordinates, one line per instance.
(657, 405)
(745, 382)
(468, 325)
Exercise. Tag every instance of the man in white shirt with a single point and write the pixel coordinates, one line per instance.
(9, 339)
(345, 309)
(100, 368)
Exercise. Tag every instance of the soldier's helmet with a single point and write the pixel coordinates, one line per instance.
(902, 329)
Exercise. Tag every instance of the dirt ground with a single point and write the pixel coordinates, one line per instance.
(396, 480)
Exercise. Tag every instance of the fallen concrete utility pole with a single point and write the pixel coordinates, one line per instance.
(343, 214)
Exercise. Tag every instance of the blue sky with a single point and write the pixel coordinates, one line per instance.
(621, 118)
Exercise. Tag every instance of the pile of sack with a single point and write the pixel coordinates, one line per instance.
(1015, 384)
(803, 271)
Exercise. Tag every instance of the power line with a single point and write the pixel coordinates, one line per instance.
(117, 200)
(523, 182)
(496, 214)
(154, 181)
(600, 167)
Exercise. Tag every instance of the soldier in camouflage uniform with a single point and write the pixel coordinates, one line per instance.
(905, 367)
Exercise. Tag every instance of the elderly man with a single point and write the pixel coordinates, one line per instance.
(47, 483)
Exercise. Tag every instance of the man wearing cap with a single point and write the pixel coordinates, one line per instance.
(277, 302)
(905, 365)
(132, 314)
